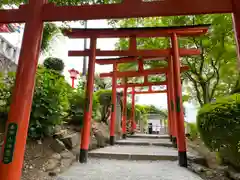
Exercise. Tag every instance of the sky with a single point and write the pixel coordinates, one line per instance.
(61, 45)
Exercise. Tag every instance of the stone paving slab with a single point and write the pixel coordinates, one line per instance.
(149, 136)
(131, 152)
(127, 152)
(103, 169)
(145, 142)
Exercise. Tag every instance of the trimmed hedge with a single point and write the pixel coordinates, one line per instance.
(219, 127)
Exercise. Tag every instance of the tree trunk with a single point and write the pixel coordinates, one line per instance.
(205, 90)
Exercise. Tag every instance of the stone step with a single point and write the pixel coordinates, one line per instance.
(145, 142)
(128, 152)
(149, 136)
(134, 157)
(104, 169)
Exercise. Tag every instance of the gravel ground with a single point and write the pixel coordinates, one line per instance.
(103, 169)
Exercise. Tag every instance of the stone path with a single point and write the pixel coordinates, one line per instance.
(132, 162)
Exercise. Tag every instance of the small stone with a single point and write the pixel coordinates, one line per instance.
(30, 167)
(57, 170)
(39, 142)
(65, 164)
(56, 156)
(51, 164)
(209, 173)
(52, 174)
(67, 155)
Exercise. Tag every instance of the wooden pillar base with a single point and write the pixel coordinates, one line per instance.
(124, 136)
(112, 140)
(182, 159)
(83, 156)
(171, 138)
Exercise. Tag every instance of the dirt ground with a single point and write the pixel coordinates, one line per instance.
(35, 156)
(214, 172)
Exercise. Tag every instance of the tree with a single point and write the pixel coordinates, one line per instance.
(50, 31)
(211, 74)
(101, 83)
(54, 64)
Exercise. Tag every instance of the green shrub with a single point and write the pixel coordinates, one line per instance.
(54, 64)
(76, 111)
(219, 127)
(193, 131)
(50, 101)
(6, 86)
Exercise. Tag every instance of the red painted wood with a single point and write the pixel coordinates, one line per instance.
(142, 84)
(150, 92)
(144, 9)
(146, 53)
(139, 74)
(169, 106)
(133, 44)
(124, 120)
(171, 78)
(140, 65)
(21, 105)
(89, 94)
(133, 110)
(132, 33)
(15, 15)
(73, 80)
(178, 96)
(114, 99)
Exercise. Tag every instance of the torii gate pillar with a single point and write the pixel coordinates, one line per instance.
(133, 123)
(169, 107)
(171, 79)
(88, 103)
(114, 105)
(181, 140)
(18, 118)
(124, 120)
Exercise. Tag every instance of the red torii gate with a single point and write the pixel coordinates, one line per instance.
(38, 11)
(141, 72)
(132, 33)
(133, 92)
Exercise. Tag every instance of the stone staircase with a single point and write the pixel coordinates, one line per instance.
(139, 157)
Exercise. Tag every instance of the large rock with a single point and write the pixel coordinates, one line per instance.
(103, 128)
(58, 146)
(71, 140)
(101, 140)
(93, 143)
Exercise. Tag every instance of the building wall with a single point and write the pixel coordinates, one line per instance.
(9, 55)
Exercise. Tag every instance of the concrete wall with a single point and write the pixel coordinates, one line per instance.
(8, 56)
